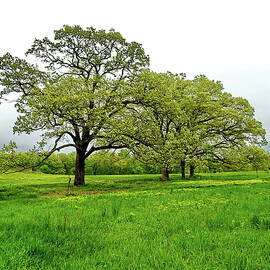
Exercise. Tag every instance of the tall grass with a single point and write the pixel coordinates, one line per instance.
(121, 222)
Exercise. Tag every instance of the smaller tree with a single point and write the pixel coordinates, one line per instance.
(213, 121)
(148, 128)
(53, 165)
(257, 158)
(68, 161)
(173, 119)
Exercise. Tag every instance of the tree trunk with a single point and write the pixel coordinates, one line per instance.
(191, 170)
(183, 168)
(79, 168)
(165, 174)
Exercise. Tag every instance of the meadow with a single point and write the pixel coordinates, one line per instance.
(214, 221)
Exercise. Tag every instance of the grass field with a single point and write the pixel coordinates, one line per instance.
(217, 221)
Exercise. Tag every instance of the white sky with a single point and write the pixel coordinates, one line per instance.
(227, 40)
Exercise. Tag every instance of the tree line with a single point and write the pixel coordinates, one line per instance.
(124, 162)
(94, 91)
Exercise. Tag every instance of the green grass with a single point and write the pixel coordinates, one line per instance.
(218, 221)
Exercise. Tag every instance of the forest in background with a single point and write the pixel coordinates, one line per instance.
(123, 162)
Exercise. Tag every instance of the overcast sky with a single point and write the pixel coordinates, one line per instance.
(227, 40)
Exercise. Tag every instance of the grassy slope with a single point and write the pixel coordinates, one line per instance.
(219, 221)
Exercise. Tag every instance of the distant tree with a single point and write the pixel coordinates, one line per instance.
(106, 162)
(68, 161)
(174, 119)
(257, 157)
(11, 160)
(101, 163)
(53, 165)
(77, 93)
(8, 157)
(212, 121)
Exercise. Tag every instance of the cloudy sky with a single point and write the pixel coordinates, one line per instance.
(227, 40)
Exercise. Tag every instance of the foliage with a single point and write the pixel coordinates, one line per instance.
(117, 163)
(215, 122)
(175, 119)
(106, 163)
(79, 91)
(95, 93)
(247, 158)
(11, 160)
(102, 163)
(148, 125)
(53, 165)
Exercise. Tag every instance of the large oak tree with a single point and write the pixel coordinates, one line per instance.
(76, 91)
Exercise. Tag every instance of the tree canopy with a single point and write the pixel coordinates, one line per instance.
(78, 89)
(92, 90)
(175, 120)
